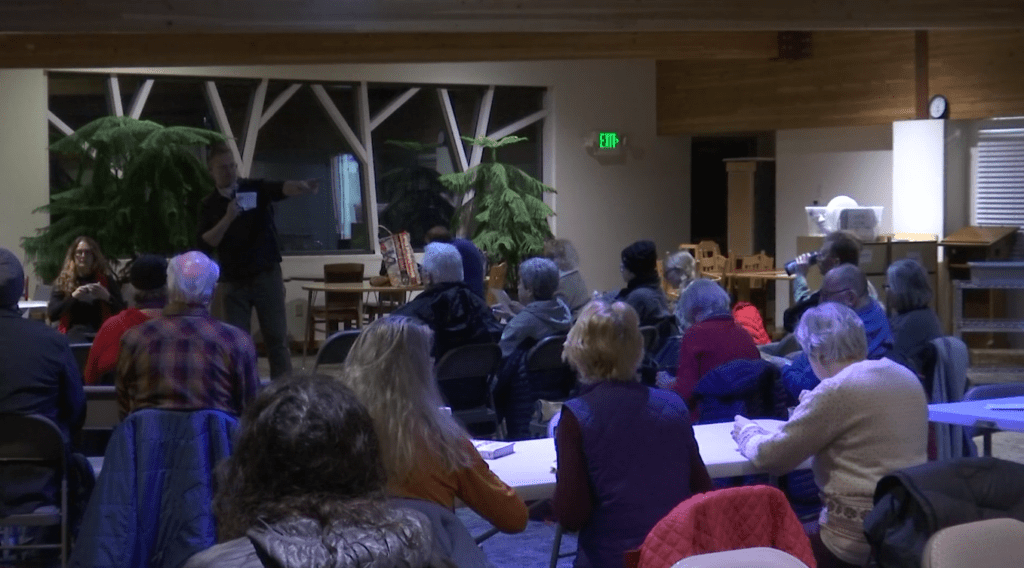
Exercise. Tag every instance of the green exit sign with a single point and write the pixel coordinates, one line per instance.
(608, 140)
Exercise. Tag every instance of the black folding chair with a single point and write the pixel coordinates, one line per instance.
(335, 350)
(81, 353)
(464, 378)
(551, 379)
(33, 440)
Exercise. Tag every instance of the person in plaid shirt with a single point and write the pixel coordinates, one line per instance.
(186, 359)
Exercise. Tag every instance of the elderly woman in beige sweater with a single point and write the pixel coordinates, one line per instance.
(864, 420)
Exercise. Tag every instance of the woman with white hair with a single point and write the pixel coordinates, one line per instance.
(680, 270)
(712, 339)
(456, 314)
(864, 420)
(914, 323)
(609, 487)
(426, 453)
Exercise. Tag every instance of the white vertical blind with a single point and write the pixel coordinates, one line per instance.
(999, 199)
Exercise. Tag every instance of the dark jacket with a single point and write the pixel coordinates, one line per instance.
(748, 387)
(914, 503)
(152, 505)
(38, 375)
(645, 295)
(456, 314)
(633, 484)
(404, 540)
(250, 245)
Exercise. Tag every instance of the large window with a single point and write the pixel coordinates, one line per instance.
(376, 148)
(998, 196)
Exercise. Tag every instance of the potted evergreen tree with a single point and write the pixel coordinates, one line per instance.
(135, 187)
(506, 215)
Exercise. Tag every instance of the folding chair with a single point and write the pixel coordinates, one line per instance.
(81, 353)
(464, 378)
(985, 392)
(335, 349)
(36, 440)
(551, 379)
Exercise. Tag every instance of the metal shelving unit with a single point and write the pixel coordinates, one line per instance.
(963, 325)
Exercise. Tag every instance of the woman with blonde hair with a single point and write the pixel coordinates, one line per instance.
(426, 453)
(610, 488)
(85, 293)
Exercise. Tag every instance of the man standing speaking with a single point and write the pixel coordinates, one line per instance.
(237, 222)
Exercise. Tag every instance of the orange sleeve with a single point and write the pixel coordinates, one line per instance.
(489, 496)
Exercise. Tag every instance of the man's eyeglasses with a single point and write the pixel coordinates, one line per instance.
(826, 294)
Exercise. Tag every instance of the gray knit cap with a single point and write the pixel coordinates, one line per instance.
(12, 279)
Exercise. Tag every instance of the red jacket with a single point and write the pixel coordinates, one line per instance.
(706, 345)
(726, 519)
(750, 319)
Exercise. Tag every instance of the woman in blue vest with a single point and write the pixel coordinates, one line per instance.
(626, 452)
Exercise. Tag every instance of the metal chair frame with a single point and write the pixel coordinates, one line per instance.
(36, 440)
(476, 362)
(335, 349)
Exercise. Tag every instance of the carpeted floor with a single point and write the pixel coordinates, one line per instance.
(528, 549)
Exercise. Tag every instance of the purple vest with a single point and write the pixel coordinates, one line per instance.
(637, 442)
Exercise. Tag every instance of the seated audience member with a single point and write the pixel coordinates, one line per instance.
(427, 454)
(864, 420)
(472, 258)
(544, 315)
(186, 359)
(571, 287)
(457, 315)
(844, 285)
(680, 270)
(38, 375)
(914, 324)
(838, 248)
(148, 274)
(85, 293)
(643, 288)
(305, 487)
(713, 340)
(609, 487)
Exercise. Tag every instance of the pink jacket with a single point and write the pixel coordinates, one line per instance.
(726, 519)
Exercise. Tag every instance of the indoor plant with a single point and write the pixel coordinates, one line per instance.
(506, 214)
(133, 185)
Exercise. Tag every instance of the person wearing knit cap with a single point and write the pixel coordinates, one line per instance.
(643, 288)
(38, 375)
(148, 275)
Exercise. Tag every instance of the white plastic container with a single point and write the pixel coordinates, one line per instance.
(862, 221)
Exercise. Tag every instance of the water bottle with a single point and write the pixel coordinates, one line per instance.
(791, 265)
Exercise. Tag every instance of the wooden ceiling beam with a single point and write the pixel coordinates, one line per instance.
(501, 15)
(167, 49)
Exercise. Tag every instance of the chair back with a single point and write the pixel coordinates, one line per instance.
(35, 441)
(992, 543)
(101, 409)
(998, 390)
(496, 281)
(81, 353)
(30, 438)
(549, 376)
(464, 379)
(949, 383)
(650, 335)
(756, 557)
(706, 522)
(335, 349)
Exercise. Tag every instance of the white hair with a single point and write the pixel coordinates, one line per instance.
(442, 263)
(701, 300)
(832, 333)
(191, 278)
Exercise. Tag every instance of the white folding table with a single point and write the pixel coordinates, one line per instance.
(975, 414)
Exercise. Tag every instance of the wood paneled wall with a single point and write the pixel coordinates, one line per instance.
(501, 15)
(128, 50)
(850, 79)
(980, 72)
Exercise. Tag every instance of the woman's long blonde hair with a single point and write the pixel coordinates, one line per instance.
(67, 280)
(390, 370)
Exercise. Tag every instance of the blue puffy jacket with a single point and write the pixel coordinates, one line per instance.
(152, 504)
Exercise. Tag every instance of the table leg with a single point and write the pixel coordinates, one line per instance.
(309, 326)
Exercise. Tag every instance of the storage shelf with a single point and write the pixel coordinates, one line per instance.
(992, 326)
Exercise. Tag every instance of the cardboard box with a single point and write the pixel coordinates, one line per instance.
(924, 252)
(874, 258)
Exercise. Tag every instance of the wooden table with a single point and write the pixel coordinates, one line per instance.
(357, 289)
